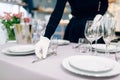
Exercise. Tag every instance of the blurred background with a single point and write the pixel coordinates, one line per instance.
(42, 9)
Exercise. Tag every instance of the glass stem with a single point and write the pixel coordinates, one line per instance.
(107, 52)
(116, 53)
(95, 52)
(91, 48)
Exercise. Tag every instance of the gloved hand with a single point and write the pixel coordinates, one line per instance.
(41, 47)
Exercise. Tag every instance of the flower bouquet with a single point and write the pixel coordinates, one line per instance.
(8, 20)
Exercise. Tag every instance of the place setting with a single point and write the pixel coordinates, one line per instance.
(61, 42)
(102, 48)
(19, 50)
(92, 66)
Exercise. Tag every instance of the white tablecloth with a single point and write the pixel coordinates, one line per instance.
(22, 68)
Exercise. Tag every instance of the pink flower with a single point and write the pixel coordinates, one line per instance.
(10, 19)
(26, 20)
(19, 15)
(7, 17)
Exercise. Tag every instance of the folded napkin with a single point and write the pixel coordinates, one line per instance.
(41, 47)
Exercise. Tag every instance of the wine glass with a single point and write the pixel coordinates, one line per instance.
(98, 33)
(115, 40)
(89, 33)
(109, 32)
(93, 32)
(116, 43)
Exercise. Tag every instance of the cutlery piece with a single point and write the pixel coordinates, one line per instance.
(38, 59)
(76, 46)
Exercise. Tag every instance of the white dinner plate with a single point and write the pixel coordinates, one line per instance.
(62, 42)
(5, 51)
(102, 48)
(91, 63)
(21, 48)
(115, 71)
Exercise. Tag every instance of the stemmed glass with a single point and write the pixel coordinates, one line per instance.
(93, 32)
(89, 33)
(115, 39)
(98, 33)
(109, 32)
(116, 43)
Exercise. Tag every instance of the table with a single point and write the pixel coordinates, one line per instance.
(22, 68)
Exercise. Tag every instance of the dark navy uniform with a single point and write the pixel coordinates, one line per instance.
(81, 10)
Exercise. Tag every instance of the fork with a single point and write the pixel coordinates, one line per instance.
(76, 46)
(38, 59)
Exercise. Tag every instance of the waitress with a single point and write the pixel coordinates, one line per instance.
(81, 10)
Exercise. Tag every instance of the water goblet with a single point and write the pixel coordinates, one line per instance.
(98, 33)
(89, 33)
(108, 33)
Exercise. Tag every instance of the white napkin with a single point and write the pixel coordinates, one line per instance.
(41, 47)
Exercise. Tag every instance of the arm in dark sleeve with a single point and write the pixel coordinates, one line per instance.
(103, 6)
(55, 18)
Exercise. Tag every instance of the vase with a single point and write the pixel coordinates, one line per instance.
(10, 32)
(23, 33)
